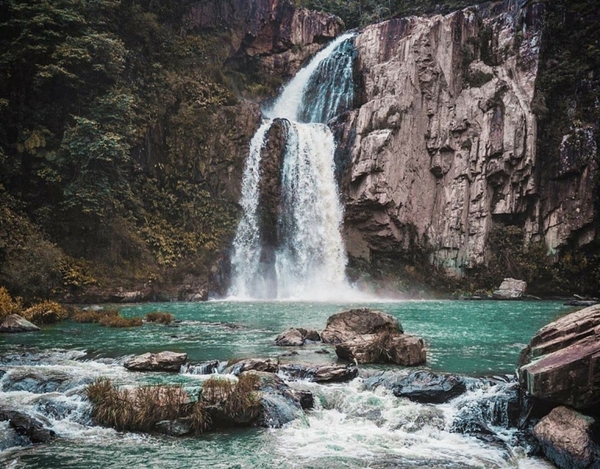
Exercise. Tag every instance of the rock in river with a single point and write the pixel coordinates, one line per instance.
(296, 337)
(567, 439)
(15, 323)
(428, 387)
(162, 361)
(354, 322)
(562, 362)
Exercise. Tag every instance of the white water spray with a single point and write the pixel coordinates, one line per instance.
(310, 259)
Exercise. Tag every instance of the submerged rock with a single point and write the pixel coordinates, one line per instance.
(162, 361)
(15, 323)
(27, 426)
(321, 373)
(567, 439)
(355, 322)
(510, 289)
(428, 387)
(178, 427)
(561, 363)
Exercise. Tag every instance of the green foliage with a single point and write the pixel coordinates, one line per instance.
(91, 316)
(357, 13)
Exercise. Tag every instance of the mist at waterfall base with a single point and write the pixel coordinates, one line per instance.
(352, 426)
(310, 259)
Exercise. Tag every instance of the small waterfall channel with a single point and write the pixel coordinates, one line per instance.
(288, 243)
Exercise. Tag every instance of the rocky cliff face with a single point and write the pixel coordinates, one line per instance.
(273, 32)
(445, 136)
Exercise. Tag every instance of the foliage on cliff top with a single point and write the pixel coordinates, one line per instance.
(8, 304)
(358, 13)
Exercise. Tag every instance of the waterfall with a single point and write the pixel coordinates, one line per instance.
(305, 258)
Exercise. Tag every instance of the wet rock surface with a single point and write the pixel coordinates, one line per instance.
(297, 337)
(320, 373)
(25, 425)
(253, 364)
(569, 439)
(428, 387)
(562, 362)
(162, 361)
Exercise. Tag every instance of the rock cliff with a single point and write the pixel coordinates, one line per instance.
(273, 32)
(445, 141)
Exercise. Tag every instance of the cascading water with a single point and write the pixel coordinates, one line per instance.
(309, 259)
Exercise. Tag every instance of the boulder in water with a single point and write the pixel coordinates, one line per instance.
(385, 347)
(296, 337)
(253, 364)
(162, 361)
(178, 427)
(510, 289)
(27, 426)
(428, 387)
(355, 322)
(562, 362)
(15, 323)
(567, 439)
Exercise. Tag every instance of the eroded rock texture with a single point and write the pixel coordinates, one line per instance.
(445, 139)
(274, 32)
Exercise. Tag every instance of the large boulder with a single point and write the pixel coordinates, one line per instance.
(567, 439)
(367, 336)
(385, 347)
(428, 387)
(562, 362)
(510, 289)
(15, 323)
(354, 322)
(162, 361)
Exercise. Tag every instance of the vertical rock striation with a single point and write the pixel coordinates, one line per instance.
(445, 137)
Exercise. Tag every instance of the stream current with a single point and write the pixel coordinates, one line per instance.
(353, 425)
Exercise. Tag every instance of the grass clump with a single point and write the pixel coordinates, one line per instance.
(134, 409)
(160, 317)
(142, 408)
(94, 316)
(8, 304)
(46, 312)
(120, 321)
(237, 400)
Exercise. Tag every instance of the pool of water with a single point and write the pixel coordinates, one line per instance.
(350, 427)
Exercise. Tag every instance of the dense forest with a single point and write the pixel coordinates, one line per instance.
(111, 173)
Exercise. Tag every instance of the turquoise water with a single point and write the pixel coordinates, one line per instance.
(351, 426)
(466, 337)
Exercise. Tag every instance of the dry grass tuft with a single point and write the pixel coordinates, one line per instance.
(8, 304)
(46, 312)
(94, 316)
(120, 321)
(236, 399)
(161, 317)
(216, 391)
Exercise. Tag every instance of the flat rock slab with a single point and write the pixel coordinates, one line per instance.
(253, 364)
(162, 361)
(320, 374)
(566, 438)
(15, 323)
(562, 362)
(428, 387)
(356, 322)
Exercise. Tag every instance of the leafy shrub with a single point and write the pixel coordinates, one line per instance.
(160, 317)
(8, 304)
(46, 312)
